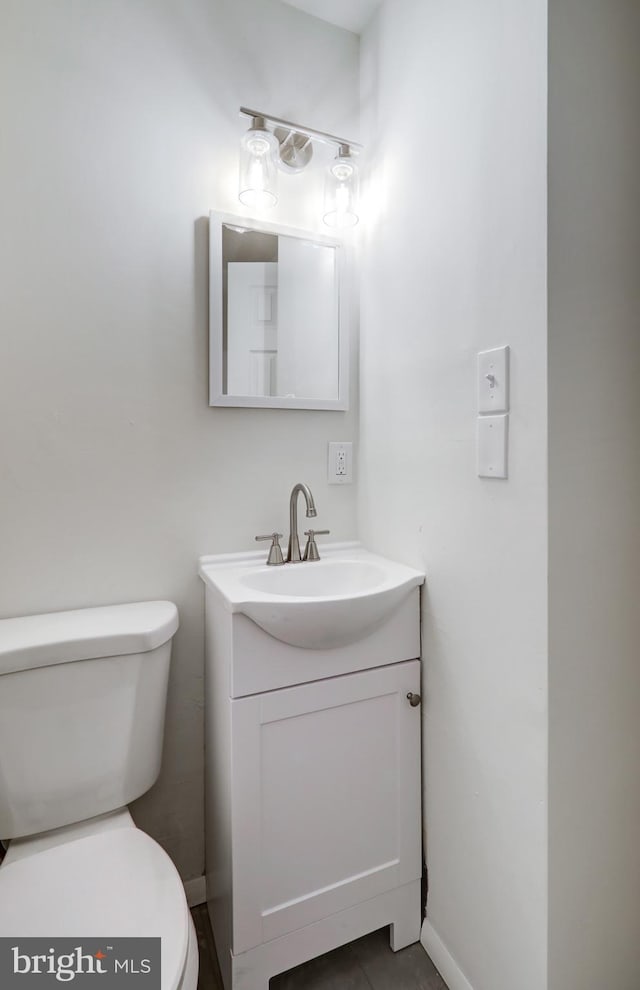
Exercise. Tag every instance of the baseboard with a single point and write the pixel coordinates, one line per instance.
(442, 958)
(196, 891)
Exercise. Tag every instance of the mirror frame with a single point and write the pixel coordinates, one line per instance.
(216, 330)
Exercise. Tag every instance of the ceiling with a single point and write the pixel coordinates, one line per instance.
(350, 14)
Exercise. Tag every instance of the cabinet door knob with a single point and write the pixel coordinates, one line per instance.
(413, 699)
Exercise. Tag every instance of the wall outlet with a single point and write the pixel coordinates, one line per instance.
(340, 463)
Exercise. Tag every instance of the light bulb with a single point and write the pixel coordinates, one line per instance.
(257, 144)
(341, 192)
(258, 176)
(342, 169)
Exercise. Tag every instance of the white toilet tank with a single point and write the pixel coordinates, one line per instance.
(82, 705)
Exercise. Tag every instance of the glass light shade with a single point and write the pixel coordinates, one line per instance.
(341, 193)
(258, 186)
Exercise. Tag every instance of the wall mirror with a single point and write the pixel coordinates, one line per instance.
(277, 318)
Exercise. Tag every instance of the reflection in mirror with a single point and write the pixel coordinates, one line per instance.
(276, 328)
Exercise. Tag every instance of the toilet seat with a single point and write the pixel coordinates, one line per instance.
(115, 883)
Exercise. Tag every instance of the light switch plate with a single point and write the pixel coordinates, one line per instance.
(493, 380)
(492, 446)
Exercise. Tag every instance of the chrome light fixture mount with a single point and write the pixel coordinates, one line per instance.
(295, 150)
(288, 148)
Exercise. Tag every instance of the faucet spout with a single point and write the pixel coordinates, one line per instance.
(293, 549)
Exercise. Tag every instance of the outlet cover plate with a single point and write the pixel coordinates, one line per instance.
(340, 463)
(492, 446)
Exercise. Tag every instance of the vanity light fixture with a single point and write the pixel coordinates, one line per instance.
(289, 148)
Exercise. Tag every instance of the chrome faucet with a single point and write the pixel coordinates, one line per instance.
(293, 549)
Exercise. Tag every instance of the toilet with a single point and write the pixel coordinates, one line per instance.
(82, 706)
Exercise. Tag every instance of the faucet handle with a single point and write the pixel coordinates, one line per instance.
(311, 549)
(275, 550)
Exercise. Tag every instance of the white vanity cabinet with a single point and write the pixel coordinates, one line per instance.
(313, 792)
(320, 773)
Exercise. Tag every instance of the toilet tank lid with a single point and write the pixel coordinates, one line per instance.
(86, 633)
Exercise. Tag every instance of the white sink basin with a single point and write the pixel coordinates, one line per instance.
(321, 604)
(330, 579)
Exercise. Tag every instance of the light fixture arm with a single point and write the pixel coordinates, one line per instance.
(309, 132)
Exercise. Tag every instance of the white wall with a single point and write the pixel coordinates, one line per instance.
(119, 133)
(454, 97)
(594, 506)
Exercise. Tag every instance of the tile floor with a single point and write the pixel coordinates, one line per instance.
(367, 964)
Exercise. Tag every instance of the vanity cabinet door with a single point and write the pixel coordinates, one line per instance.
(325, 799)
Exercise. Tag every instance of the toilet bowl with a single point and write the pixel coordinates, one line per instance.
(82, 699)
